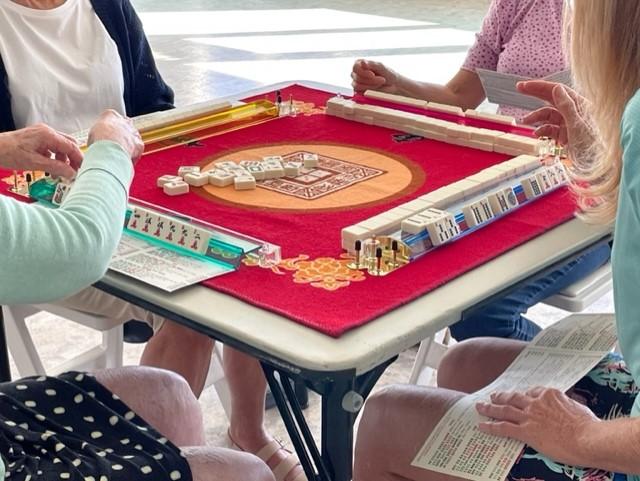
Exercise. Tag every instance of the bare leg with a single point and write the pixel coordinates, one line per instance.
(395, 424)
(248, 387)
(162, 398)
(180, 349)
(217, 464)
(475, 363)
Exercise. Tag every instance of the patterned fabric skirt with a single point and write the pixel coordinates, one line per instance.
(609, 391)
(71, 427)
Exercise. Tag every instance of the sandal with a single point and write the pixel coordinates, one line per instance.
(284, 467)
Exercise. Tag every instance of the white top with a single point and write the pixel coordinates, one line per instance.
(62, 65)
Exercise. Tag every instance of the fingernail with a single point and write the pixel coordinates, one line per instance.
(560, 90)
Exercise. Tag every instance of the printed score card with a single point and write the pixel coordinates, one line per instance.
(501, 89)
(161, 267)
(557, 358)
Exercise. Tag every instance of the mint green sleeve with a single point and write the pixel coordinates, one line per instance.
(48, 254)
(626, 246)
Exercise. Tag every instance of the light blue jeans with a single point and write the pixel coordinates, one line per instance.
(505, 317)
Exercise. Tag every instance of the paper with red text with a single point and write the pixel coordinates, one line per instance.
(557, 358)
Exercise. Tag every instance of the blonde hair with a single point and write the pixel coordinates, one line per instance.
(605, 59)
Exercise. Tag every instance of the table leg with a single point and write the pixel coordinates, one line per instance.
(343, 394)
(337, 429)
(341, 404)
(5, 369)
(297, 427)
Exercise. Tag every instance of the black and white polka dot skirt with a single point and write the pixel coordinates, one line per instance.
(71, 427)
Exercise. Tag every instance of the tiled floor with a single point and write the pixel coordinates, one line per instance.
(206, 49)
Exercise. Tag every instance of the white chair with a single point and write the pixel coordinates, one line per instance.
(25, 355)
(430, 353)
(107, 354)
(575, 298)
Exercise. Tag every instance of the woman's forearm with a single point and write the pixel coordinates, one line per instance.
(464, 90)
(49, 254)
(611, 445)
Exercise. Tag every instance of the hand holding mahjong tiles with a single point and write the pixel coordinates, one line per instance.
(243, 175)
(162, 228)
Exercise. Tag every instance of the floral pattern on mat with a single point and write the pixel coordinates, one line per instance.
(324, 272)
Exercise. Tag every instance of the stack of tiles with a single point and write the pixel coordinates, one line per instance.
(500, 119)
(512, 144)
(438, 107)
(156, 226)
(489, 193)
(436, 129)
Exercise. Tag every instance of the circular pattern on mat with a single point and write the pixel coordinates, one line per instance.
(346, 177)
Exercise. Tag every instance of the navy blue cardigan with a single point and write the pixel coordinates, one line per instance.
(144, 89)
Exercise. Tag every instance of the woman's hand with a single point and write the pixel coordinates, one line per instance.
(545, 419)
(564, 119)
(40, 147)
(370, 75)
(116, 128)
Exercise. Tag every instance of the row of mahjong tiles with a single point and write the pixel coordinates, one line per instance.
(438, 107)
(437, 129)
(168, 229)
(243, 175)
(424, 213)
(489, 194)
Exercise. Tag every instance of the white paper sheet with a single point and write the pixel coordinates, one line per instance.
(500, 88)
(160, 267)
(557, 358)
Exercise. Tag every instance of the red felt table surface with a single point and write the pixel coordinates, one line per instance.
(312, 286)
